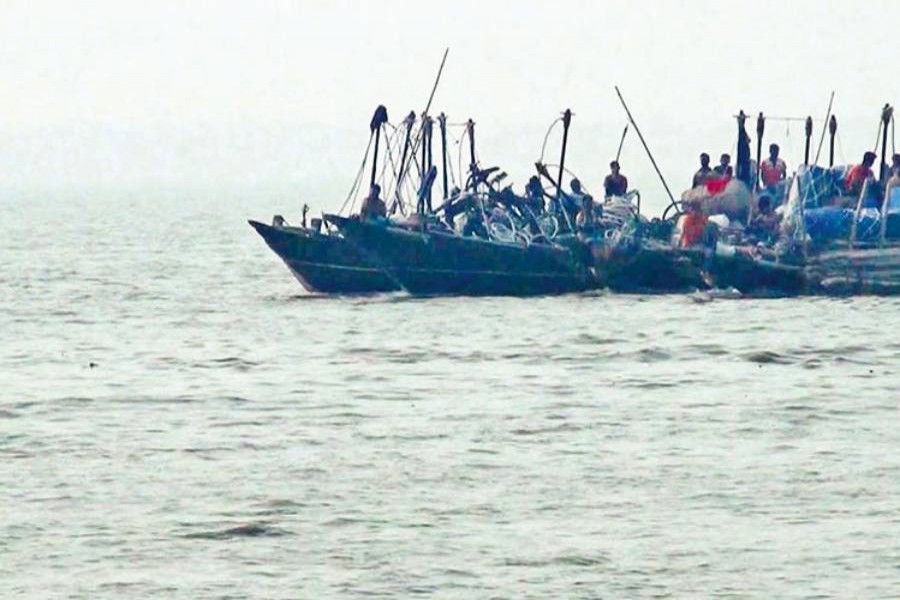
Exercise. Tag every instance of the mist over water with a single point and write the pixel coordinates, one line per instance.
(179, 419)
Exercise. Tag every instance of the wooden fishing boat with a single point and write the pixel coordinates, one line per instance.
(434, 262)
(324, 262)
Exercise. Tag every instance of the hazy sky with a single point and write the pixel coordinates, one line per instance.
(134, 92)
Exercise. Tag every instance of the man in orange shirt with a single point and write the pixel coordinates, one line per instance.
(859, 174)
(693, 225)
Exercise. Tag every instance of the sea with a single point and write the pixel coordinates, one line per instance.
(179, 419)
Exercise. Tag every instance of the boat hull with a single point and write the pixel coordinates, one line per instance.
(759, 277)
(439, 263)
(324, 263)
(857, 271)
(649, 269)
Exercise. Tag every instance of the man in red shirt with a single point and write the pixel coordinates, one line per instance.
(773, 169)
(859, 174)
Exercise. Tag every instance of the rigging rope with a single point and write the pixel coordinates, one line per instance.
(547, 136)
(388, 153)
(359, 174)
(877, 136)
(568, 172)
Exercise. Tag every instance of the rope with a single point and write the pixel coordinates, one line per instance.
(459, 153)
(390, 161)
(572, 175)
(359, 175)
(877, 136)
(547, 136)
(451, 138)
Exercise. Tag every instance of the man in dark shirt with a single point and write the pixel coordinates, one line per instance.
(723, 170)
(615, 183)
(705, 173)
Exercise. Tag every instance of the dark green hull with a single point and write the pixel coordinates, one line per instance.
(325, 263)
(440, 263)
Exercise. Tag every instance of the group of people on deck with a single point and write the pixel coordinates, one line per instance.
(580, 207)
(584, 213)
(773, 169)
(765, 221)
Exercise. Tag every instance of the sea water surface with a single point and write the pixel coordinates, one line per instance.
(179, 420)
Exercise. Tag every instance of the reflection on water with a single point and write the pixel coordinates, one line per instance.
(179, 420)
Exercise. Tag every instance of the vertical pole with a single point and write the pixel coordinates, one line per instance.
(428, 138)
(567, 119)
(809, 127)
(822, 137)
(424, 144)
(442, 120)
(378, 119)
(410, 120)
(375, 158)
(760, 129)
(470, 128)
(886, 113)
(832, 130)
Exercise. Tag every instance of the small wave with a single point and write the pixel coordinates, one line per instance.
(573, 560)
(250, 530)
(709, 349)
(420, 437)
(643, 384)
(279, 507)
(651, 355)
(349, 521)
(596, 340)
(229, 362)
(766, 357)
(8, 414)
(564, 427)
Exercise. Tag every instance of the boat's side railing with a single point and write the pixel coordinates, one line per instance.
(635, 194)
(854, 227)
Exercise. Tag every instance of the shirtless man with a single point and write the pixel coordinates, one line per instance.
(704, 173)
(373, 206)
(615, 183)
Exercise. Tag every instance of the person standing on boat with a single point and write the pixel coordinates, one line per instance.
(773, 169)
(615, 183)
(534, 195)
(704, 173)
(573, 201)
(693, 225)
(373, 207)
(723, 170)
(766, 222)
(585, 222)
(860, 174)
